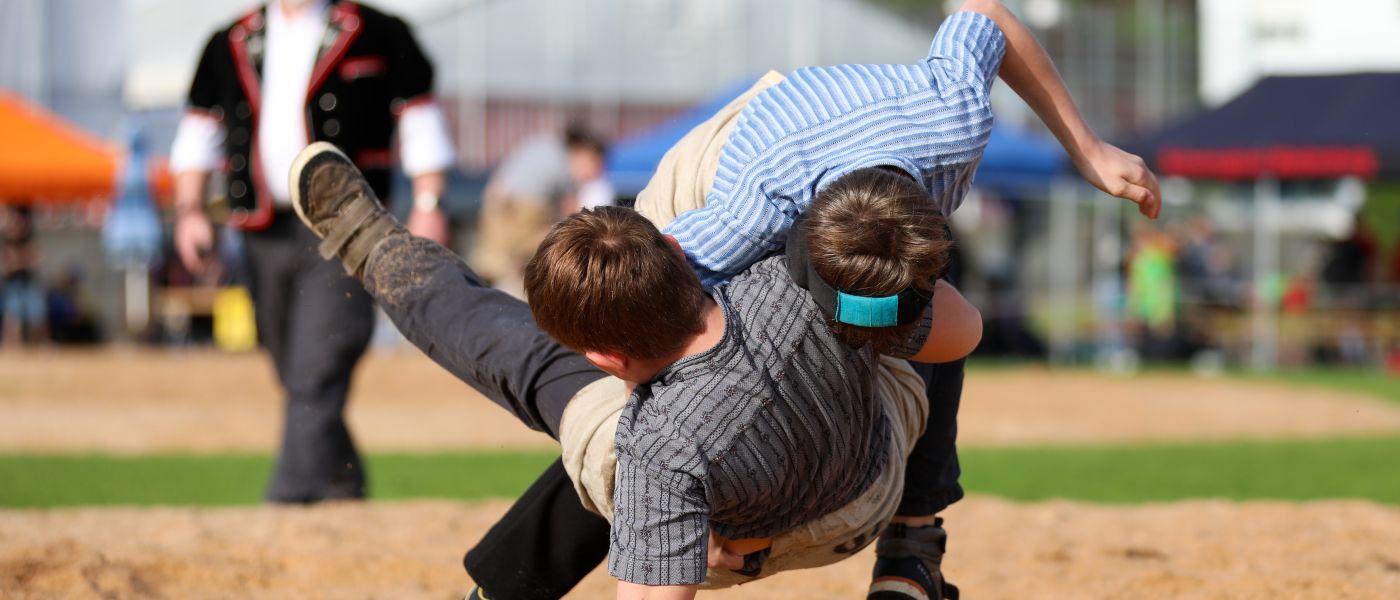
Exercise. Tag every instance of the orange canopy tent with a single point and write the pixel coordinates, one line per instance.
(46, 159)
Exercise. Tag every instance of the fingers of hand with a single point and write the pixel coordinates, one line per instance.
(1154, 192)
(1149, 203)
(190, 240)
(720, 559)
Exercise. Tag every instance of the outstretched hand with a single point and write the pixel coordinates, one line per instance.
(1124, 175)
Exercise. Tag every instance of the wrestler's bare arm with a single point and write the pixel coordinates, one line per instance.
(956, 330)
(637, 591)
(1030, 73)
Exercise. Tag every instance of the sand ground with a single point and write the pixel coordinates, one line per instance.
(165, 401)
(143, 401)
(1185, 550)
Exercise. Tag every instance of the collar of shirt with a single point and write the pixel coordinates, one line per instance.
(715, 356)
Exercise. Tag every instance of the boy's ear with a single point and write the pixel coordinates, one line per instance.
(671, 239)
(612, 363)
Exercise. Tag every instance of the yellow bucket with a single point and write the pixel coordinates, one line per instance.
(234, 327)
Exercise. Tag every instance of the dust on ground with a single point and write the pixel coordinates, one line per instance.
(998, 549)
(145, 401)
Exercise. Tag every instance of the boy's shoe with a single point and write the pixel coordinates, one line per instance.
(908, 563)
(332, 198)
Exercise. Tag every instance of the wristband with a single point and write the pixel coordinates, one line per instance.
(426, 201)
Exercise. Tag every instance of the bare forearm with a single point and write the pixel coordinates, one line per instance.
(957, 327)
(1031, 74)
(636, 591)
(1028, 70)
(189, 190)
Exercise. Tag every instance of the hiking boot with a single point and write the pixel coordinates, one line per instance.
(332, 198)
(908, 564)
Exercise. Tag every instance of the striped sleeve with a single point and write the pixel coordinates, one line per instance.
(720, 243)
(793, 139)
(968, 47)
(660, 530)
(930, 119)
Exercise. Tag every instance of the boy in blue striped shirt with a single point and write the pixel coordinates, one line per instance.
(928, 121)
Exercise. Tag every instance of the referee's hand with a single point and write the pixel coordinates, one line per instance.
(194, 240)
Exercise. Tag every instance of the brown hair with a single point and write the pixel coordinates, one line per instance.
(605, 279)
(875, 232)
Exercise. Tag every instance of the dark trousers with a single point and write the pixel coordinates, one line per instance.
(315, 322)
(548, 542)
(932, 472)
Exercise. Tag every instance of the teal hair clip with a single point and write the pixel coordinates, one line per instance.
(866, 311)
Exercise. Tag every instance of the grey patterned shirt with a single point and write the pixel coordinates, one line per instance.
(777, 425)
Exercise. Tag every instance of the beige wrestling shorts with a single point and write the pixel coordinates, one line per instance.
(588, 430)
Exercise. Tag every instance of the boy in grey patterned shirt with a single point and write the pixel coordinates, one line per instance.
(751, 417)
(533, 389)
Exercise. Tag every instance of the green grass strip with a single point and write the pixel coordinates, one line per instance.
(223, 479)
(1363, 468)
(1365, 381)
(1285, 470)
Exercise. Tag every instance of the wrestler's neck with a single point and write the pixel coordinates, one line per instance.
(711, 331)
(291, 9)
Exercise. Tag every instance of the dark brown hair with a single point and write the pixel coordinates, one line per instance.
(874, 232)
(579, 137)
(605, 279)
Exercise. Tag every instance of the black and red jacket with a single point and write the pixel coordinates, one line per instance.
(368, 70)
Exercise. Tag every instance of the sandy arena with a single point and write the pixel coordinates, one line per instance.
(144, 402)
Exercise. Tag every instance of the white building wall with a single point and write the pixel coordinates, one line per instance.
(1245, 40)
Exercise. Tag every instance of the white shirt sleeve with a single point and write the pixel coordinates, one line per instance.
(424, 145)
(198, 145)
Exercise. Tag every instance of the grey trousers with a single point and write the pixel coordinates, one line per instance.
(315, 322)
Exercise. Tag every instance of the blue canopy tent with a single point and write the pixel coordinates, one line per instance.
(1019, 163)
(1016, 163)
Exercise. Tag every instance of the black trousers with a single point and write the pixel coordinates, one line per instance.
(315, 322)
(548, 542)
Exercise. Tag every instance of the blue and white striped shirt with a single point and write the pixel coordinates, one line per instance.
(930, 119)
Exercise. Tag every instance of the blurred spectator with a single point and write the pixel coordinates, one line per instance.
(71, 318)
(1349, 266)
(542, 178)
(990, 252)
(519, 204)
(25, 313)
(1152, 291)
(1348, 272)
(587, 164)
(1194, 262)
(285, 74)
